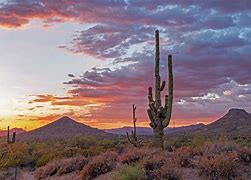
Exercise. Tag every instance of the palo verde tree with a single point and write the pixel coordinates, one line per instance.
(160, 115)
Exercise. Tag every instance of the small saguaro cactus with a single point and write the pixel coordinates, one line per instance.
(13, 140)
(160, 115)
(133, 138)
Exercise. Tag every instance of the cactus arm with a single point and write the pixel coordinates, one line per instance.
(166, 103)
(168, 115)
(157, 76)
(128, 137)
(151, 117)
(134, 120)
(162, 85)
(152, 107)
(150, 95)
(162, 111)
(14, 137)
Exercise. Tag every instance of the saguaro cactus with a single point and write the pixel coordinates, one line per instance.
(13, 136)
(133, 138)
(160, 116)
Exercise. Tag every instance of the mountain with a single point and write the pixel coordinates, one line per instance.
(62, 128)
(123, 130)
(17, 130)
(235, 122)
(148, 131)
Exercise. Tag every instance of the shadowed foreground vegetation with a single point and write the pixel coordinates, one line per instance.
(88, 158)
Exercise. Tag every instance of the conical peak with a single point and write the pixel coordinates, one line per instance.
(65, 119)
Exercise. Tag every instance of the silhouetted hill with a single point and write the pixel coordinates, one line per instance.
(148, 131)
(17, 130)
(235, 122)
(62, 128)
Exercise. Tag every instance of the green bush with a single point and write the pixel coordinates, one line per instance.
(130, 173)
(198, 140)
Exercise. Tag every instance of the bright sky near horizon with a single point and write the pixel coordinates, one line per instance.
(92, 59)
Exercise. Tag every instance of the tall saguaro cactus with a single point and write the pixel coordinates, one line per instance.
(133, 138)
(160, 115)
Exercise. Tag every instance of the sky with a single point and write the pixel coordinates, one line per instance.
(91, 60)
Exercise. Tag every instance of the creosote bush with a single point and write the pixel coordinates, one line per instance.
(100, 164)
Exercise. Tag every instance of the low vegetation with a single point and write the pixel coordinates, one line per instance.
(85, 158)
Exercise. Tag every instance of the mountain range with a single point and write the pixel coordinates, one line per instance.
(149, 131)
(235, 122)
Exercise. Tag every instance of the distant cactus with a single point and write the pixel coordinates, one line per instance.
(13, 140)
(133, 139)
(160, 116)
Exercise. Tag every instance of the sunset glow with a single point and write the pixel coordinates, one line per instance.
(91, 60)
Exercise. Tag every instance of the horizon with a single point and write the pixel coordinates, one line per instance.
(92, 60)
(125, 126)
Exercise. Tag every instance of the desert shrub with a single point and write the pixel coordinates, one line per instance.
(153, 163)
(60, 167)
(98, 165)
(198, 140)
(46, 152)
(3, 174)
(128, 172)
(168, 171)
(171, 144)
(93, 151)
(133, 155)
(72, 164)
(16, 155)
(44, 159)
(218, 148)
(219, 166)
(49, 170)
(72, 152)
(243, 141)
(245, 155)
(182, 157)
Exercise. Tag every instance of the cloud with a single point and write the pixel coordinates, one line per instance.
(71, 75)
(209, 40)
